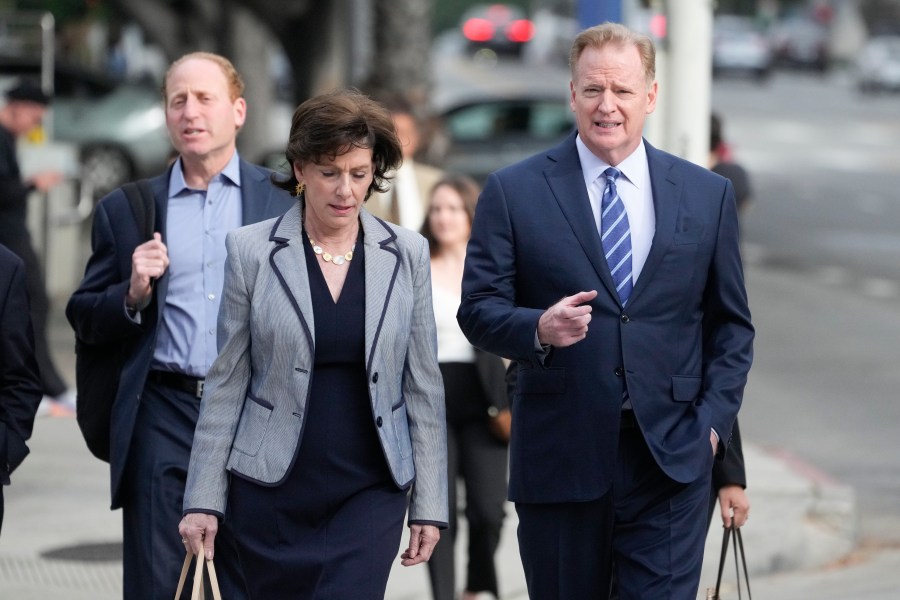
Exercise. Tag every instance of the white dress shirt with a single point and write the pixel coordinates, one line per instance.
(635, 191)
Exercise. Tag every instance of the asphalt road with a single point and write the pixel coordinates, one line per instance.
(826, 223)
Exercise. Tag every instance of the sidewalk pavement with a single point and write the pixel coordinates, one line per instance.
(61, 541)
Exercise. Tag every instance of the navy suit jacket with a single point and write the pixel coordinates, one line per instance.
(96, 309)
(20, 385)
(682, 346)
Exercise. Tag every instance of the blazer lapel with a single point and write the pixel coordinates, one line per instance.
(256, 194)
(382, 263)
(288, 260)
(566, 180)
(666, 186)
(160, 187)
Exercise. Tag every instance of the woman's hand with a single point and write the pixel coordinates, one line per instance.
(198, 533)
(422, 540)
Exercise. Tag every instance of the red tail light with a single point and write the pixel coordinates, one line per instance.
(521, 30)
(478, 30)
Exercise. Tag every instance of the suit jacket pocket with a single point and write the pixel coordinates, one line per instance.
(401, 430)
(253, 425)
(686, 388)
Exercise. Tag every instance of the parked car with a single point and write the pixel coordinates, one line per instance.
(119, 127)
(801, 42)
(502, 28)
(878, 64)
(740, 47)
(483, 134)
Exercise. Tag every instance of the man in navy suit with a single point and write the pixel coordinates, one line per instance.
(20, 384)
(162, 298)
(611, 272)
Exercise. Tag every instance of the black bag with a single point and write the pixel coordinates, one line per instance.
(731, 532)
(98, 367)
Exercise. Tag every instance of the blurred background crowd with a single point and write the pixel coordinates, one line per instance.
(807, 92)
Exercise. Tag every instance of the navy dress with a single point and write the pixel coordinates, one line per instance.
(332, 529)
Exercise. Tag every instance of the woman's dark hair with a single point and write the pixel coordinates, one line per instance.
(467, 189)
(332, 124)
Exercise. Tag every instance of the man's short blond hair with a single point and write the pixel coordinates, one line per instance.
(616, 34)
(235, 83)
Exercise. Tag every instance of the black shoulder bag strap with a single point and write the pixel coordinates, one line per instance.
(738, 549)
(143, 205)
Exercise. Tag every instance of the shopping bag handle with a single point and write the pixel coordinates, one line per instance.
(198, 592)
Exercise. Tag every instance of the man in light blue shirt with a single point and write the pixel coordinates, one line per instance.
(161, 297)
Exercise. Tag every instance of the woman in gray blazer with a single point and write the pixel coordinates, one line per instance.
(323, 420)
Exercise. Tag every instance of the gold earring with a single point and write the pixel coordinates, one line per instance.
(298, 189)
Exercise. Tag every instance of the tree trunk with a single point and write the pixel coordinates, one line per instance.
(401, 64)
(250, 46)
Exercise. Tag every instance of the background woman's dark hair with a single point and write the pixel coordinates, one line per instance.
(332, 124)
(467, 189)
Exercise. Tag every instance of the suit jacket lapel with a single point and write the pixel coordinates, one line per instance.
(566, 180)
(288, 260)
(666, 187)
(160, 187)
(382, 263)
(256, 194)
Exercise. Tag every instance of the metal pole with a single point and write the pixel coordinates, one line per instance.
(689, 79)
(48, 50)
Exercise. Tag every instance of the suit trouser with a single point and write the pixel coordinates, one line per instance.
(481, 460)
(52, 383)
(152, 501)
(650, 527)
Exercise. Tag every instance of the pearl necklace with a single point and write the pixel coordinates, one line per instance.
(337, 259)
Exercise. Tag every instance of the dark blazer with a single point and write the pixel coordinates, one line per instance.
(683, 344)
(20, 385)
(96, 310)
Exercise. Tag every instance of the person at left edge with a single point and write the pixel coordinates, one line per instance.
(26, 105)
(20, 386)
(163, 295)
(326, 404)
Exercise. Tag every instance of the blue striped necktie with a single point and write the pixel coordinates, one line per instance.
(615, 235)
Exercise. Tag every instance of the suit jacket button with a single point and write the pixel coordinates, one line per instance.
(619, 371)
(378, 421)
(625, 318)
(375, 378)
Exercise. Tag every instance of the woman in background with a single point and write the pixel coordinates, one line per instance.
(478, 416)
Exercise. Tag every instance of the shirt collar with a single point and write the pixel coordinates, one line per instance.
(632, 168)
(231, 173)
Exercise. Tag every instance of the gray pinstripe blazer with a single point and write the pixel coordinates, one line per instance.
(254, 403)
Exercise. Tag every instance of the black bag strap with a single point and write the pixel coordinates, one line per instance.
(143, 205)
(734, 532)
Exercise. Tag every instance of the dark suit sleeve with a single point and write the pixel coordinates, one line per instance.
(96, 310)
(727, 330)
(20, 387)
(730, 470)
(488, 314)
